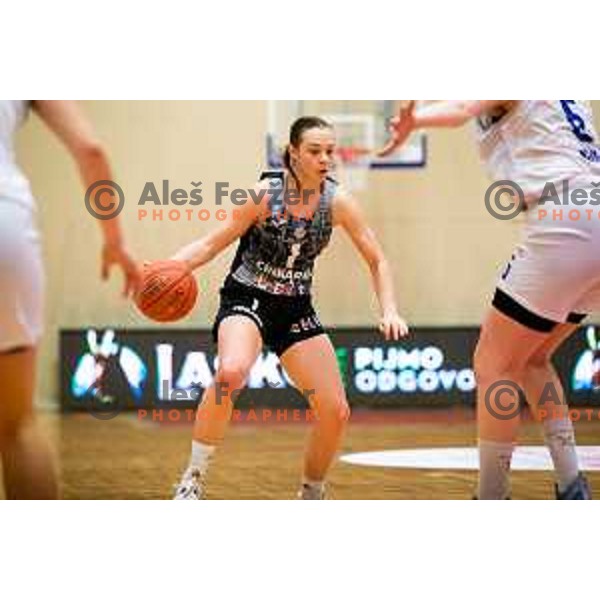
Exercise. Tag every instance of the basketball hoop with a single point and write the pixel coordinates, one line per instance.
(355, 144)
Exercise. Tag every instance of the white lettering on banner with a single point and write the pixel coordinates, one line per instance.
(447, 379)
(164, 369)
(408, 360)
(386, 381)
(407, 381)
(465, 380)
(376, 369)
(195, 371)
(430, 357)
(428, 381)
(387, 370)
(366, 382)
(266, 372)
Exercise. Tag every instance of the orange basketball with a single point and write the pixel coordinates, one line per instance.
(168, 291)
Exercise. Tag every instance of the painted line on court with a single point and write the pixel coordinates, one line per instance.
(525, 458)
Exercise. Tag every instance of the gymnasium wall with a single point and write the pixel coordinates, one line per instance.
(445, 249)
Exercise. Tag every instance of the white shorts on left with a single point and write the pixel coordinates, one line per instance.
(21, 277)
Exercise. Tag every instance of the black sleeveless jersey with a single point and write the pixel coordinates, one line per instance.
(278, 254)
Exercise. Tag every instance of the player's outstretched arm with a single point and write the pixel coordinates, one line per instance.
(453, 113)
(67, 121)
(202, 251)
(443, 113)
(348, 214)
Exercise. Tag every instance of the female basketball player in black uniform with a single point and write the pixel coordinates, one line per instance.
(266, 299)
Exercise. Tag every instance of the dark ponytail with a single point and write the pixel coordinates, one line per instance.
(287, 159)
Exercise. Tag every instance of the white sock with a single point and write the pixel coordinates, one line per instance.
(560, 440)
(200, 457)
(494, 470)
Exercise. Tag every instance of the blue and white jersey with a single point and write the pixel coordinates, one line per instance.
(539, 141)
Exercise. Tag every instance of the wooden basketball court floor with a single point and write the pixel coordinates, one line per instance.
(129, 458)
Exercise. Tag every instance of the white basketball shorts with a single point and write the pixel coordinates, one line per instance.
(554, 273)
(21, 277)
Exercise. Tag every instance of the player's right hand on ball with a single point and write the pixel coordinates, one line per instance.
(118, 255)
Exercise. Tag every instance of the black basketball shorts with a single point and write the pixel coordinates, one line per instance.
(282, 320)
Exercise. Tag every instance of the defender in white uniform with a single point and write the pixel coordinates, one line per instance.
(552, 280)
(27, 467)
(555, 270)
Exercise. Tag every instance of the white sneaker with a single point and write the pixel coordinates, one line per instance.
(311, 492)
(191, 486)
